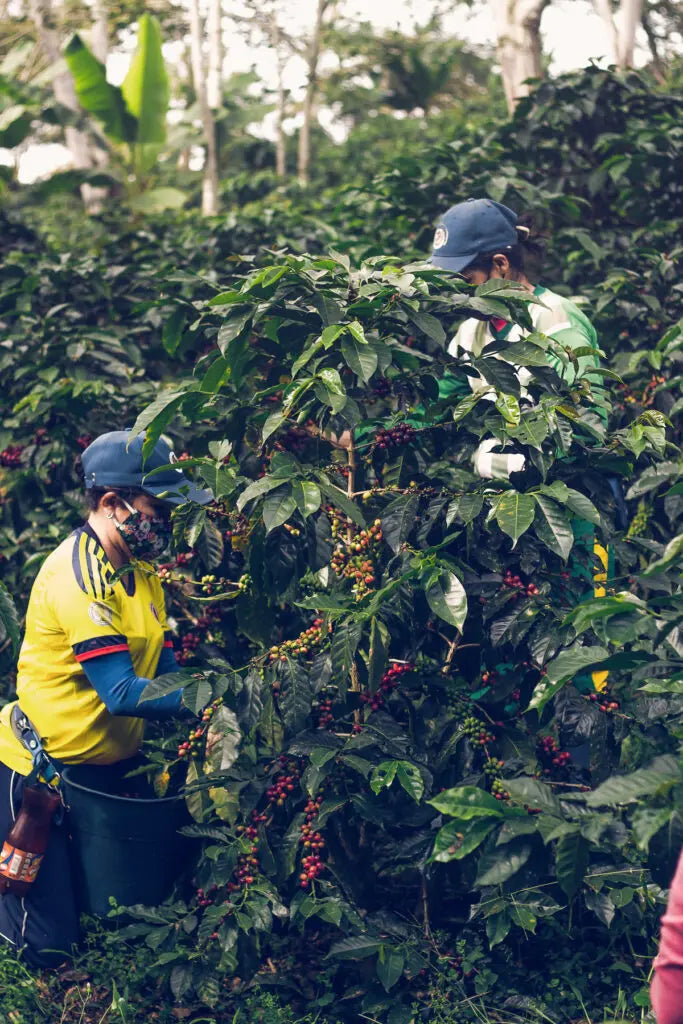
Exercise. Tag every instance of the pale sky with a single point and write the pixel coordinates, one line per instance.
(573, 35)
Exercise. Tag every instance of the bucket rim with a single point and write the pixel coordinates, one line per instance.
(121, 799)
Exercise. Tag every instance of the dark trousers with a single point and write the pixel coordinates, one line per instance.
(43, 925)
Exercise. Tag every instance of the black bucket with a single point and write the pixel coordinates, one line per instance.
(123, 846)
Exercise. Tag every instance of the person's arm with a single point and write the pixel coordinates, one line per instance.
(113, 677)
(666, 990)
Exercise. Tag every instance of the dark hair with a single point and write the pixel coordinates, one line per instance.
(94, 495)
(526, 256)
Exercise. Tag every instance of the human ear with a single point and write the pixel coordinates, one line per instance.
(108, 503)
(502, 265)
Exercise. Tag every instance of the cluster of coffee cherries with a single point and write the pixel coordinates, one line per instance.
(204, 896)
(493, 768)
(639, 523)
(293, 531)
(381, 387)
(190, 642)
(313, 843)
(515, 583)
(604, 702)
(304, 644)
(210, 584)
(550, 755)
(478, 733)
(239, 526)
(285, 783)
(247, 865)
(193, 746)
(354, 559)
(84, 441)
(395, 437)
(10, 458)
(325, 715)
(388, 682)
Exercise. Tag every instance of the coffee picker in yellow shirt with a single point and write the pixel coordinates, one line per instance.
(92, 644)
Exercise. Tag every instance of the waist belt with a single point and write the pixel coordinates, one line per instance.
(44, 769)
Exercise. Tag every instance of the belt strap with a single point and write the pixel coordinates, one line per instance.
(43, 769)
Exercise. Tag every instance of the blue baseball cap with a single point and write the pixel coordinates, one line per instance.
(473, 227)
(114, 460)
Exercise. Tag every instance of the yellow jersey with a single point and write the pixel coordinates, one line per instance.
(76, 613)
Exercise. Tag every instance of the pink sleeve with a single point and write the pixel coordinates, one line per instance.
(667, 985)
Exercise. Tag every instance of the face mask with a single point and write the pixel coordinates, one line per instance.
(146, 536)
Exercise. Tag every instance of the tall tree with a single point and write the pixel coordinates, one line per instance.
(518, 28)
(83, 152)
(312, 57)
(199, 75)
(622, 26)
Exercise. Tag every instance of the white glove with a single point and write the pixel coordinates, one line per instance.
(490, 465)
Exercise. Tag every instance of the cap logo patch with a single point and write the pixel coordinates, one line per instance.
(440, 237)
(100, 613)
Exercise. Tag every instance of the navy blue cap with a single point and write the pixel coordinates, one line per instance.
(473, 227)
(114, 460)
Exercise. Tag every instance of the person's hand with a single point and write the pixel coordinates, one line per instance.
(483, 457)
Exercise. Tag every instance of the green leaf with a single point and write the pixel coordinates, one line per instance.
(446, 596)
(167, 683)
(508, 407)
(533, 793)
(145, 88)
(582, 506)
(390, 964)
(354, 947)
(601, 905)
(457, 839)
(646, 822)
(497, 928)
(553, 527)
(158, 200)
(429, 325)
(250, 701)
(410, 778)
(672, 557)
(571, 861)
(398, 520)
(257, 489)
(96, 95)
(362, 359)
(383, 775)
(210, 545)
(502, 862)
(466, 508)
(307, 497)
(377, 653)
(9, 621)
(566, 665)
(659, 776)
(515, 514)
(233, 328)
(341, 500)
(465, 802)
(277, 508)
(155, 418)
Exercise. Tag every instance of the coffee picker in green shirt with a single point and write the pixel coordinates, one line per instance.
(481, 240)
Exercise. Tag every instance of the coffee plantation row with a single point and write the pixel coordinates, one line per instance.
(422, 808)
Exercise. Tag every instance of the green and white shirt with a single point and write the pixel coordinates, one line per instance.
(558, 318)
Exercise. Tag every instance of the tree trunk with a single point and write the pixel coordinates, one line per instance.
(518, 25)
(100, 31)
(210, 179)
(280, 141)
(312, 58)
(78, 143)
(214, 74)
(622, 34)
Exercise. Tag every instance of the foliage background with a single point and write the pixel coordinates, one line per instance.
(101, 318)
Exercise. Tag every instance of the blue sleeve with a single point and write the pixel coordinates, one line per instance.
(167, 662)
(119, 688)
